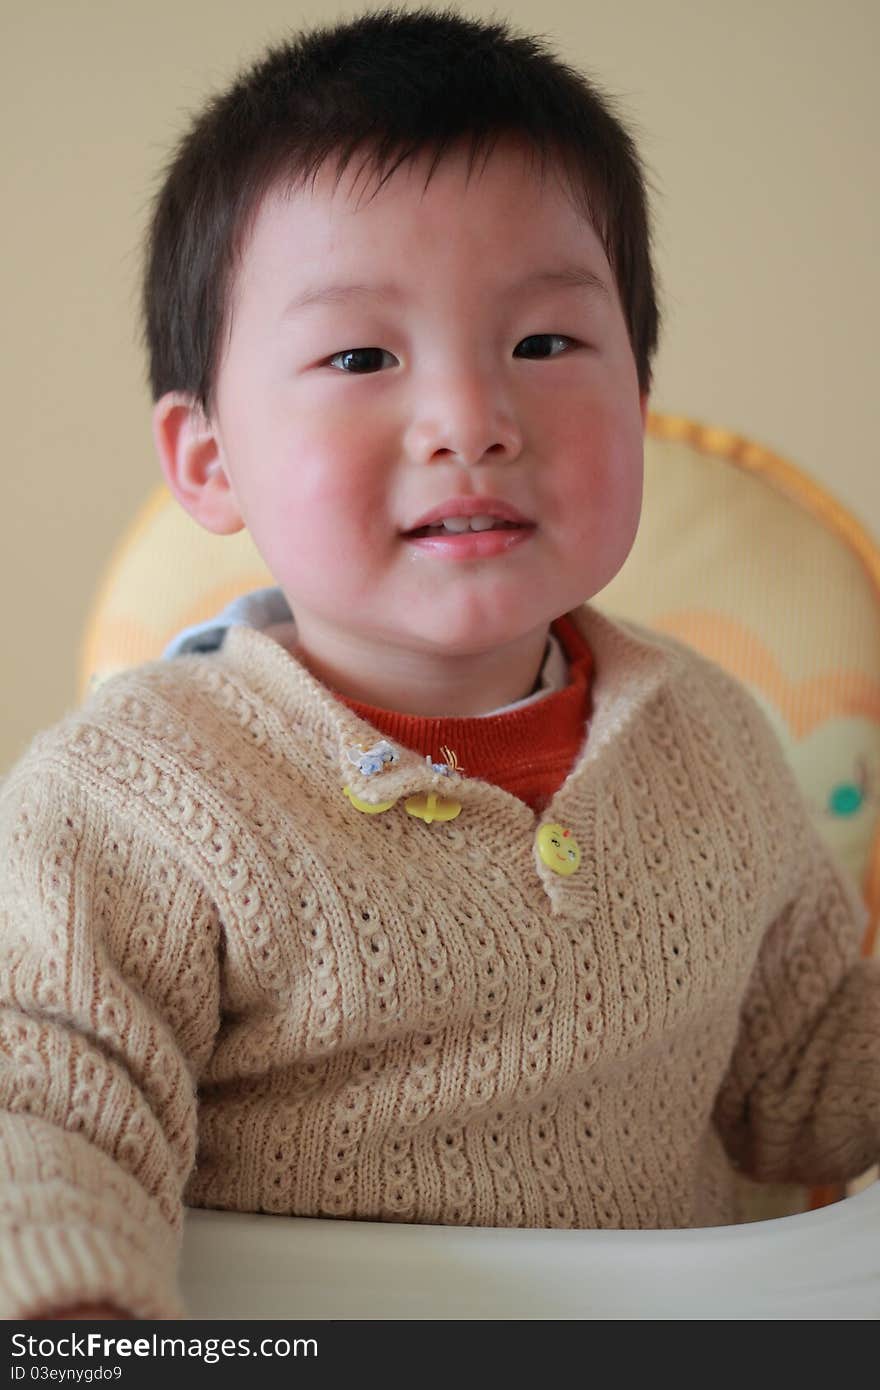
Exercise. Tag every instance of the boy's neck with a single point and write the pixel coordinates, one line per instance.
(414, 682)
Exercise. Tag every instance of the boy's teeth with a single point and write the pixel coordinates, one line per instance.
(457, 524)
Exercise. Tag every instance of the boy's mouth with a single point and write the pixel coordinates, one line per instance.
(459, 515)
(457, 525)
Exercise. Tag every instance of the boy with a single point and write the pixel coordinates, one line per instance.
(413, 889)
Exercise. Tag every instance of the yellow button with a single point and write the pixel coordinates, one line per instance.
(558, 849)
(432, 807)
(369, 808)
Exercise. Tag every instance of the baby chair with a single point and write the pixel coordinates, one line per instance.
(739, 554)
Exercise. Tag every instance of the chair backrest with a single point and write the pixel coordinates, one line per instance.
(739, 554)
(750, 561)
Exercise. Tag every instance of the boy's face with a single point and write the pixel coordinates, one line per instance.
(456, 378)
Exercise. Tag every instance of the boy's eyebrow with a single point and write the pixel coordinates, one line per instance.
(577, 276)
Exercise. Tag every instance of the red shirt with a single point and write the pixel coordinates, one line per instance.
(529, 752)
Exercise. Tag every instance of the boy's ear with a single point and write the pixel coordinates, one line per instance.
(189, 453)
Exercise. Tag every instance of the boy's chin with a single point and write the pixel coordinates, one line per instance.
(461, 640)
(488, 628)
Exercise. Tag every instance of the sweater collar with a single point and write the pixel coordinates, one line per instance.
(630, 665)
(267, 609)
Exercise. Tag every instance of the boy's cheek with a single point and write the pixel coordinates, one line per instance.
(317, 545)
(600, 486)
(598, 515)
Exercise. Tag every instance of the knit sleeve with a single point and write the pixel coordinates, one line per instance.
(801, 1099)
(109, 1007)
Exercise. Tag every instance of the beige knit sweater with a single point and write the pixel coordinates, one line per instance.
(224, 983)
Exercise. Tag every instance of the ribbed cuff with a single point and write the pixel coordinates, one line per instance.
(47, 1269)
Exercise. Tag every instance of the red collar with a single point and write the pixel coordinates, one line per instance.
(529, 752)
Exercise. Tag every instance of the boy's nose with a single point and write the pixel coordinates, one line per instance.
(466, 421)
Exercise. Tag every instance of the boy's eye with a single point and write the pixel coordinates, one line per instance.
(361, 361)
(541, 344)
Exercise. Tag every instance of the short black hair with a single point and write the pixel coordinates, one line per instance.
(393, 84)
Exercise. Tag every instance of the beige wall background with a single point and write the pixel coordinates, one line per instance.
(758, 122)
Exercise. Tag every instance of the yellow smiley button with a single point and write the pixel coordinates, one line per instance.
(369, 808)
(432, 807)
(558, 849)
